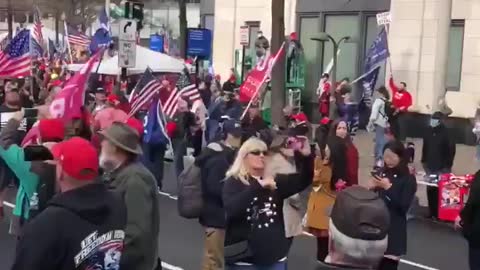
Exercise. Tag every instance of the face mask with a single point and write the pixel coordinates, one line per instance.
(107, 164)
(434, 122)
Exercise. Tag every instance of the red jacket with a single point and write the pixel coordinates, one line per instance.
(352, 164)
(400, 100)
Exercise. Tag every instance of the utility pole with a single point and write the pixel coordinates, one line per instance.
(278, 72)
(182, 7)
(10, 20)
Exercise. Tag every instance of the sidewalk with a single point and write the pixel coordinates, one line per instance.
(464, 160)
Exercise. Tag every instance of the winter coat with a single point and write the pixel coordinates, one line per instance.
(292, 213)
(470, 215)
(378, 115)
(34, 176)
(254, 214)
(438, 150)
(214, 162)
(80, 229)
(321, 198)
(138, 189)
(398, 199)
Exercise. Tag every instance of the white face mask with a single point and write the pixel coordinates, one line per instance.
(106, 163)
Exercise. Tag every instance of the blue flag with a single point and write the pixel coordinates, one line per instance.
(368, 83)
(154, 125)
(100, 39)
(378, 52)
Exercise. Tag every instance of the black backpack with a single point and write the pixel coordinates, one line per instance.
(389, 110)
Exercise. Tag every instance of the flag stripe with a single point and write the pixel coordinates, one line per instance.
(151, 89)
(15, 59)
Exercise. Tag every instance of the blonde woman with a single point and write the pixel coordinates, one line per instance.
(255, 231)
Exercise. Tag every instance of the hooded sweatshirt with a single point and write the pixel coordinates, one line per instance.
(80, 229)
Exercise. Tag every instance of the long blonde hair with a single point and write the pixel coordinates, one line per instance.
(238, 169)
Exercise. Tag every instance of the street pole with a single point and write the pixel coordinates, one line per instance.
(242, 71)
(333, 104)
(123, 75)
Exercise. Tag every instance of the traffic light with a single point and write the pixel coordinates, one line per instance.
(134, 10)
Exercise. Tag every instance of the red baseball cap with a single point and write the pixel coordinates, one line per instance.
(78, 158)
(136, 124)
(300, 117)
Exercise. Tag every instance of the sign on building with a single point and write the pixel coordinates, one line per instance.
(384, 18)
(127, 45)
(199, 42)
(127, 53)
(156, 43)
(244, 35)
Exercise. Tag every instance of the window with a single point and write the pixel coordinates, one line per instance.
(454, 58)
(339, 26)
(309, 27)
(253, 28)
(371, 34)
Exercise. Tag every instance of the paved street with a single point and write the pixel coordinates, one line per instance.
(430, 245)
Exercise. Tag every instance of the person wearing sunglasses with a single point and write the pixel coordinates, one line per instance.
(253, 201)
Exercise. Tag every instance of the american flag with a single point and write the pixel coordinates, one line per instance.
(188, 91)
(37, 27)
(76, 37)
(144, 92)
(15, 59)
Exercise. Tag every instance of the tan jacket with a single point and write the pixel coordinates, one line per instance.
(292, 213)
(321, 198)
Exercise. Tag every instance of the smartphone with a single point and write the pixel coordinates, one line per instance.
(375, 175)
(37, 153)
(31, 112)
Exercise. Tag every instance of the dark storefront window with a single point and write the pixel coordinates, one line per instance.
(309, 27)
(455, 51)
(339, 26)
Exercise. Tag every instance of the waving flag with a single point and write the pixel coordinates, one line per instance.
(37, 36)
(102, 37)
(103, 19)
(15, 60)
(146, 89)
(154, 124)
(68, 102)
(76, 37)
(377, 53)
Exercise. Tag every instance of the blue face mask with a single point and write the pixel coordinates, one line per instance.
(434, 122)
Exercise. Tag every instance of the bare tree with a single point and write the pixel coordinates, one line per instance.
(278, 73)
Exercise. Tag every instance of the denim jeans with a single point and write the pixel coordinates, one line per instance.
(277, 266)
(380, 141)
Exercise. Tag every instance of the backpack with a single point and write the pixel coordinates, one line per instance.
(190, 195)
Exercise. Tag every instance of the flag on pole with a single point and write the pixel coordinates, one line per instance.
(377, 53)
(103, 19)
(258, 76)
(15, 59)
(75, 37)
(184, 89)
(68, 102)
(144, 92)
(102, 37)
(154, 124)
(37, 36)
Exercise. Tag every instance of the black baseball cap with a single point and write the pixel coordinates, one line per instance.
(232, 127)
(360, 214)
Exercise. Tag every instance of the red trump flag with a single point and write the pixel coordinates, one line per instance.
(258, 76)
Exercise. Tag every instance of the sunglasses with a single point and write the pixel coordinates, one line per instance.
(258, 153)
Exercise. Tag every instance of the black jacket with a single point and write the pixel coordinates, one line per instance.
(80, 229)
(255, 214)
(471, 214)
(398, 199)
(214, 162)
(438, 150)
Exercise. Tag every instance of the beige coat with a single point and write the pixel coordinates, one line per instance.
(277, 164)
(321, 198)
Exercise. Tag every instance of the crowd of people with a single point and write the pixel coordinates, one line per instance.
(87, 190)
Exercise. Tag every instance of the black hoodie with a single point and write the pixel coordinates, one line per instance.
(80, 229)
(438, 151)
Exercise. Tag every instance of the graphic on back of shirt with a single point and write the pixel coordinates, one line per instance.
(100, 252)
(261, 214)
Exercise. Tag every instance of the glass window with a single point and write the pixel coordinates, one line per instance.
(253, 28)
(339, 26)
(309, 27)
(371, 34)
(455, 51)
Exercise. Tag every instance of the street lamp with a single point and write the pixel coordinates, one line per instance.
(325, 37)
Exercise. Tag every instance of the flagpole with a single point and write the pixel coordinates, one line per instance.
(389, 58)
(68, 42)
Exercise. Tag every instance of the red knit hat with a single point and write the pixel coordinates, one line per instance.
(136, 124)
(51, 130)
